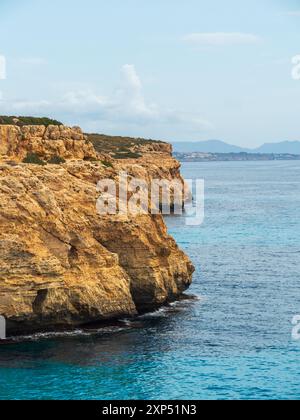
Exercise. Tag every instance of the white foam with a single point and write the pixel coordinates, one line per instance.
(128, 323)
(66, 334)
(164, 311)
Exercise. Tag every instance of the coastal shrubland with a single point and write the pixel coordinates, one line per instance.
(21, 121)
(34, 159)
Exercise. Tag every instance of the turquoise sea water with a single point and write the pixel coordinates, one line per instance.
(232, 341)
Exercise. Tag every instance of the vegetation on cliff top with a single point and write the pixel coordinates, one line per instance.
(35, 159)
(119, 147)
(21, 121)
(116, 146)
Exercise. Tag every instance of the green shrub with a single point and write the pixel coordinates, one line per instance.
(21, 121)
(90, 159)
(107, 164)
(127, 155)
(56, 160)
(108, 144)
(33, 159)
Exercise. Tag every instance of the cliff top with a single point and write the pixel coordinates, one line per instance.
(44, 143)
(119, 147)
(21, 121)
(48, 139)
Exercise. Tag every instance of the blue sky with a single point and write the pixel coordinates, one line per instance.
(181, 70)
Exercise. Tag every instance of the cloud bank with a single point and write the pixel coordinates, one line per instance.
(293, 13)
(125, 109)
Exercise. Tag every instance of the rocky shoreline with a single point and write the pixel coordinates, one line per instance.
(61, 264)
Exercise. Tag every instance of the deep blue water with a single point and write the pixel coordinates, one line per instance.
(234, 341)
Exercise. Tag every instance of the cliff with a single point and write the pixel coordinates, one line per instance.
(47, 142)
(63, 265)
(127, 147)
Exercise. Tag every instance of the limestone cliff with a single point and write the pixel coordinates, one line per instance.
(61, 264)
(68, 143)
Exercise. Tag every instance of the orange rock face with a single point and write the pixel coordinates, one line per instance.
(67, 143)
(61, 263)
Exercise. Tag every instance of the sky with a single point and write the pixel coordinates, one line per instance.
(177, 70)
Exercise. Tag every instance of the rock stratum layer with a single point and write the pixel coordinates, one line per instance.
(62, 264)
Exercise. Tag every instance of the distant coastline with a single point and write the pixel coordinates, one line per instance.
(220, 147)
(231, 157)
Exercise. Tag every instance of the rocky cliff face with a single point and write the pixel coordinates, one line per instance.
(63, 265)
(67, 143)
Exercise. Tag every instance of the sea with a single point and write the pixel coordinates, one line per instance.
(230, 338)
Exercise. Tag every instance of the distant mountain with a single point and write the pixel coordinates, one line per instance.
(210, 146)
(218, 146)
(291, 147)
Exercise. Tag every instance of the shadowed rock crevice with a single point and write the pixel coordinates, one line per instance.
(73, 255)
(37, 305)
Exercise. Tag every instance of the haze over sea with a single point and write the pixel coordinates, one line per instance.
(233, 340)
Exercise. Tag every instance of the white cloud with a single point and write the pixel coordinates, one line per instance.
(33, 61)
(125, 108)
(129, 98)
(82, 100)
(131, 78)
(293, 13)
(28, 106)
(221, 39)
(30, 61)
